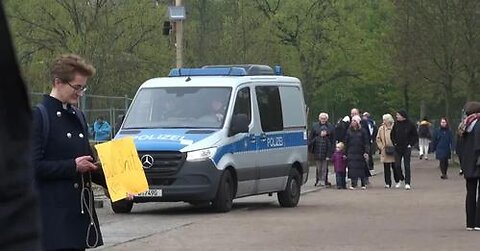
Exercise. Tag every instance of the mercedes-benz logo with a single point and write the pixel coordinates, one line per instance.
(147, 161)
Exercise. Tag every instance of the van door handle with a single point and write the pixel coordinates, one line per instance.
(263, 137)
(252, 138)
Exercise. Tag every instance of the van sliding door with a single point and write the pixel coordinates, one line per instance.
(272, 155)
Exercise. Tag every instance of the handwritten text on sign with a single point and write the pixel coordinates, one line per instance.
(122, 167)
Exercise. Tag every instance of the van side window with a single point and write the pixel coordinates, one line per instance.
(243, 104)
(270, 108)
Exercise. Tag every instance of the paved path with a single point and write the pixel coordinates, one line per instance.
(428, 217)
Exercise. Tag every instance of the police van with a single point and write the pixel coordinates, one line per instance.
(216, 133)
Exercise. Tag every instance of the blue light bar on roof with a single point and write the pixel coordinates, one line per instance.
(226, 71)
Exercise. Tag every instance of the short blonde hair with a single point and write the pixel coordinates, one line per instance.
(388, 117)
(340, 145)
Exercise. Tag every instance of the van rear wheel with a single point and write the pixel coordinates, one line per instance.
(122, 206)
(224, 200)
(291, 195)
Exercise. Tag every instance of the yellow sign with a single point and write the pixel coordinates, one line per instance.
(122, 167)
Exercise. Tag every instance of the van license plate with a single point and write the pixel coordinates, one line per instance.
(151, 193)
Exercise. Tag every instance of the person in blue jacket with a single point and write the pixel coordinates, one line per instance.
(442, 146)
(102, 130)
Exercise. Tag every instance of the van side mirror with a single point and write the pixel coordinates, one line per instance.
(239, 124)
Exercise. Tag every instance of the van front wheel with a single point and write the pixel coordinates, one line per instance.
(122, 206)
(224, 200)
(291, 195)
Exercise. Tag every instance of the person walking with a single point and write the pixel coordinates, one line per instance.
(339, 160)
(424, 137)
(469, 132)
(357, 149)
(321, 142)
(387, 150)
(404, 136)
(63, 160)
(442, 146)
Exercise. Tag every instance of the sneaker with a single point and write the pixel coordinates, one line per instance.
(426, 157)
(364, 188)
(387, 186)
(407, 186)
(351, 188)
(398, 185)
(421, 156)
(460, 172)
(476, 228)
(469, 228)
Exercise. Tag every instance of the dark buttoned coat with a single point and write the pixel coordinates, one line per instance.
(66, 218)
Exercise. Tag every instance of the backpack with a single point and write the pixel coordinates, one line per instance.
(46, 123)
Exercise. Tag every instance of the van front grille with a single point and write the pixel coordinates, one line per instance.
(161, 164)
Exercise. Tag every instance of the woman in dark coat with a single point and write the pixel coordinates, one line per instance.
(469, 131)
(357, 148)
(442, 146)
(63, 161)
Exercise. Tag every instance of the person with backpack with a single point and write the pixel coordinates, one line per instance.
(424, 137)
(63, 160)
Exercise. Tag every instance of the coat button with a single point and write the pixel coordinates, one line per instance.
(59, 114)
(80, 135)
(75, 185)
(69, 135)
(73, 112)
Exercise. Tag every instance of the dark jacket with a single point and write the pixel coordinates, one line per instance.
(404, 133)
(59, 184)
(322, 147)
(341, 130)
(424, 130)
(356, 144)
(19, 219)
(442, 143)
(470, 152)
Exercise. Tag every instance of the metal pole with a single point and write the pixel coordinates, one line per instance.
(179, 38)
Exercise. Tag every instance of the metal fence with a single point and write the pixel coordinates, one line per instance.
(111, 108)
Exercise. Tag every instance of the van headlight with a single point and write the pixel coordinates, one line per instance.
(201, 155)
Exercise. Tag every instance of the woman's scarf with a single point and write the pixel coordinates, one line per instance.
(466, 125)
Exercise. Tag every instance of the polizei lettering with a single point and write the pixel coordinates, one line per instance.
(166, 137)
(275, 141)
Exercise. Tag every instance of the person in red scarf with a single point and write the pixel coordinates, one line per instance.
(469, 140)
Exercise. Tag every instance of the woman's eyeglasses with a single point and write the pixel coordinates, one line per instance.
(78, 88)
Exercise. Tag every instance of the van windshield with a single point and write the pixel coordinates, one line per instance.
(179, 107)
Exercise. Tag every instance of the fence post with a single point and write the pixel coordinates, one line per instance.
(126, 103)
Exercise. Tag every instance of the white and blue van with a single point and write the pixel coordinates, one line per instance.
(216, 133)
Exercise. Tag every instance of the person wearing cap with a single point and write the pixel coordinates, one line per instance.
(404, 136)
(469, 135)
(357, 148)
